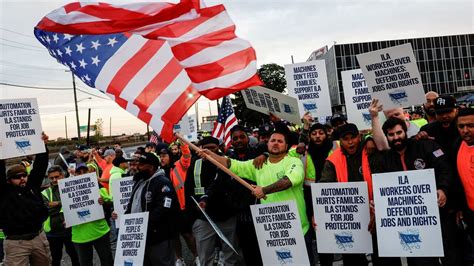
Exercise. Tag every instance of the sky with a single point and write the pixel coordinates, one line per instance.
(276, 29)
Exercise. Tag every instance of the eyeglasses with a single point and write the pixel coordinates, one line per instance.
(55, 177)
(19, 176)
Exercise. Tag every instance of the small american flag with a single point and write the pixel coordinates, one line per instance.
(225, 121)
(153, 59)
(154, 137)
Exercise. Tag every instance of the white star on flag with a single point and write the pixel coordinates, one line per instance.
(95, 44)
(80, 48)
(95, 60)
(112, 42)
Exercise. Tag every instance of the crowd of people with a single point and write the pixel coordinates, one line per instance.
(279, 161)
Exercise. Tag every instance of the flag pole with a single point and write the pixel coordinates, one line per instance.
(216, 163)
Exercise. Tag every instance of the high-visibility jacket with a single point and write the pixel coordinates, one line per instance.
(178, 174)
(338, 159)
(48, 193)
(307, 160)
(466, 172)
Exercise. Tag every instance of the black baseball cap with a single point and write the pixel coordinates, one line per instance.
(118, 160)
(337, 118)
(149, 158)
(444, 104)
(348, 129)
(165, 151)
(150, 144)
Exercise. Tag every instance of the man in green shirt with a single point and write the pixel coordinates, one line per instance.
(280, 178)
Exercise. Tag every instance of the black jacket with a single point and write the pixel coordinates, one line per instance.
(420, 154)
(443, 136)
(457, 187)
(217, 193)
(22, 210)
(354, 166)
(162, 218)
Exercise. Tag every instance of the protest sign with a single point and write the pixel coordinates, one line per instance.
(80, 199)
(358, 98)
(131, 239)
(407, 214)
(214, 226)
(308, 83)
(392, 76)
(121, 192)
(20, 128)
(187, 127)
(341, 212)
(267, 101)
(279, 233)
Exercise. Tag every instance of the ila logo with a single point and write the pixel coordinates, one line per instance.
(410, 239)
(398, 96)
(284, 256)
(344, 240)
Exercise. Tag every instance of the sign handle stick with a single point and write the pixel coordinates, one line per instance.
(216, 163)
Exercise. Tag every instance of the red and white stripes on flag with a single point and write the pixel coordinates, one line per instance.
(226, 120)
(175, 53)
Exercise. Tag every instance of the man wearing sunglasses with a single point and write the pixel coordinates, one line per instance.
(22, 213)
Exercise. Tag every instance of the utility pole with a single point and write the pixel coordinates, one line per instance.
(196, 107)
(65, 125)
(88, 127)
(77, 109)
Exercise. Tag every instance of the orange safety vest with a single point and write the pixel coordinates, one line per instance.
(338, 159)
(178, 175)
(465, 166)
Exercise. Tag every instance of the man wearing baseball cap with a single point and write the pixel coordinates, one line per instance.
(444, 130)
(23, 212)
(154, 193)
(350, 163)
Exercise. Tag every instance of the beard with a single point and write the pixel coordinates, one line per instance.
(141, 175)
(398, 145)
(430, 111)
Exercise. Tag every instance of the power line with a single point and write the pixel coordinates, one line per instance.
(24, 48)
(16, 32)
(33, 87)
(49, 88)
(29, 77)
(30, 66)
(93, 94)
(29, 45)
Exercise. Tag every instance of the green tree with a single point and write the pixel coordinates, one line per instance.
(273, 77)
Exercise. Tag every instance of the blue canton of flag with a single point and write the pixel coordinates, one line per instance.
(85, 55)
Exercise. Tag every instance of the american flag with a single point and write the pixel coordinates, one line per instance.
(226, 120)
(154, 137)
(153, 59)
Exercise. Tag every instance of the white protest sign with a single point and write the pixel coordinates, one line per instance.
(341, 211)
(279, 233)
(214, 226)
(187, 127)
(357, 98)
(407, 214)
(121, 192)
(266, 101)
(131, 239)
(80, 199)
(20, 128)
(308, 83)
(392, 76)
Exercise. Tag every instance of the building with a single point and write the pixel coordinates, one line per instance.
(446, 63)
